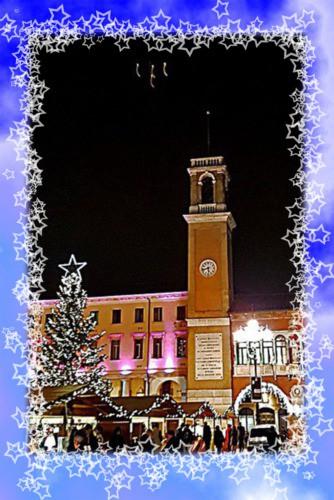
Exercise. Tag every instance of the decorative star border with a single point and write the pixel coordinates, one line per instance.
(160, 33)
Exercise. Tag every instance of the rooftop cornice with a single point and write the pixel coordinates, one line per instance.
(168, 296)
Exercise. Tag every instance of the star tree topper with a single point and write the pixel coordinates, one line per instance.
(73, 266)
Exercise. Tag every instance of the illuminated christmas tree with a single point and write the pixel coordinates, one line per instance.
(70, 352)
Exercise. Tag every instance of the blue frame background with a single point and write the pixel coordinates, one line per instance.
(216, 484)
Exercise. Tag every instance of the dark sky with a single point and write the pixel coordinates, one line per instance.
(115, 153)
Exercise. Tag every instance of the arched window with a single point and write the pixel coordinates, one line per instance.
(255, 348)
(293, 349)
(166, 388)
(281, 350)
(267, 352)
(242, 353)
(207, 190)
(266, 416)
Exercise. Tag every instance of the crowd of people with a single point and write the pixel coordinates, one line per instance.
(194, 439)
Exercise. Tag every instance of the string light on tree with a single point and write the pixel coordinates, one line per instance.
(70, 353)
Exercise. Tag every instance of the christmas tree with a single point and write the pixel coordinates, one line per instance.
(70, 352)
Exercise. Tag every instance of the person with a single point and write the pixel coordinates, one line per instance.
(273, 442)
(186, 435)
(98, 432)
(49, 442)
(218, 439)
(207, 434)
(234, 438)
(156, 434)
(146, 442)
(241, 436)
(170, 443)
(197, 429)
(178, 437)
(91, 439)
(77, 439)
(116, 441)
(79, 442)
(227, 439)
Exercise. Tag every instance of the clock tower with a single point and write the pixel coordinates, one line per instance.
(210, 283)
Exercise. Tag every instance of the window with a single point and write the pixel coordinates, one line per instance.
(181, 347)
(242, 353)
(267, 352)
(266, 416)
(246, 417)
(281, 351)
(95, 315)
(138, 349)
(139, 315)
(256, 348)
(116, 316)
(115, 349)
(157, 314)
(181, 313)
(293, 351)
(207, 190)
(157, 347)
(166, 388)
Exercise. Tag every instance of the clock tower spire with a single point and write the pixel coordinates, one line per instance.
(210, 282)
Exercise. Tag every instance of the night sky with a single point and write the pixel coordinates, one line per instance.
(115, 156)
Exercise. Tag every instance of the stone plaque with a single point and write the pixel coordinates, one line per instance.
(208, 356)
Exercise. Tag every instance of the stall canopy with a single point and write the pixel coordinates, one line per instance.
(199, 410)
(148, 406)
(77, 400)
(80, 402)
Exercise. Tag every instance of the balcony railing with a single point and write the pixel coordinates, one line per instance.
(266, 370)
(206, 208)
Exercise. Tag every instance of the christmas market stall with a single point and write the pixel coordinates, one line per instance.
(143, 412)
(75, 404)
(196, 413)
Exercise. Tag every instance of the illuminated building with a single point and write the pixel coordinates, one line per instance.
(193, 344)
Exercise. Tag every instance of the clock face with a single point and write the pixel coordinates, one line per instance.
(208, 268)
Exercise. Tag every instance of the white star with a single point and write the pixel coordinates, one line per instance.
(123, 43)
(307, 18)
(256, 24)
(290, 22)
(21, 198)
(234, 26)
(323, 426)
(21, 418)
(58, 15)
(221, 9)
(161, 19)
(14, 451)
(72, 266)
(319, 234)
(324, 272)
(189, 44)
(8, 174)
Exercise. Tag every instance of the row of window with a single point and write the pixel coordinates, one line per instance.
(157, 348)
(116, 315)
(279, 352)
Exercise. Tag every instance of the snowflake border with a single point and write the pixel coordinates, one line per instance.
(159, 34)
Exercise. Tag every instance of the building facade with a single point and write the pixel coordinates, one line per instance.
(192, 344)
